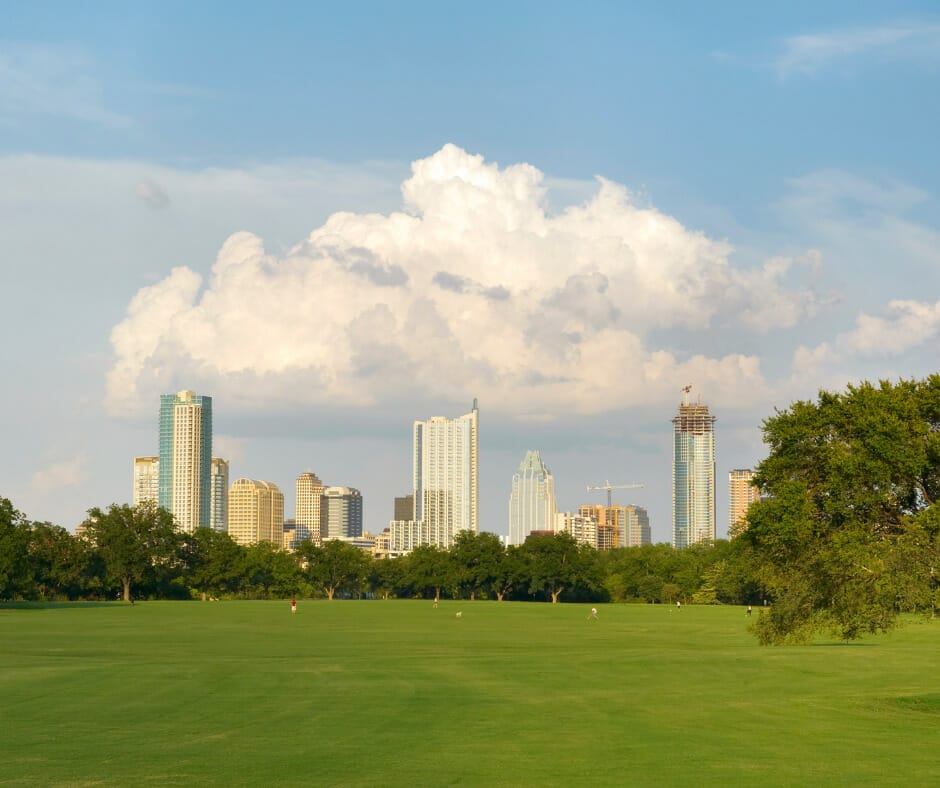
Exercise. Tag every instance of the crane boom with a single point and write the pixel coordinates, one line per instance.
(608, 486)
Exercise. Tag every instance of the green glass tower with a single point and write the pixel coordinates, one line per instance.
(185, 481)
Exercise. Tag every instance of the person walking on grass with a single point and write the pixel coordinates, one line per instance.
(592, 614)
(293, 606)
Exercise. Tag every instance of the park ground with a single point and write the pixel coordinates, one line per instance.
(388, 693)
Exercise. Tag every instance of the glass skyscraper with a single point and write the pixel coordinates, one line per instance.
(185, 484)
(693, 475)
(532, 500)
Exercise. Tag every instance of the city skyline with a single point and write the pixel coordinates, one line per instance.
(334, 222)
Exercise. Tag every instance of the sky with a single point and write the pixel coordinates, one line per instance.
(338, 220)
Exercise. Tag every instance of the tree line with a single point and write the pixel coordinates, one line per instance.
(846, 537)
(135, 552)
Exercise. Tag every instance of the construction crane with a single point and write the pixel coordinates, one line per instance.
(608, 486)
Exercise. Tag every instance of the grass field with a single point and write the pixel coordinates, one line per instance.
(399, 693)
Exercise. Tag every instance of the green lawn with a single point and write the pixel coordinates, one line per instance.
(399, 693)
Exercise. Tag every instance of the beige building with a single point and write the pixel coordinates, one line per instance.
(146, 479)
(583, 527)
(309, 490)
(256, 512)
(741, 494)
(618, 526)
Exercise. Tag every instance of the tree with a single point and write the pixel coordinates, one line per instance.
(476, 560)
(58, 561)
(427, 568)
(212, 559)
(384, 576)
(851, 486)
(132, 541)
(553, 563)
(336, 566)
(14, 544)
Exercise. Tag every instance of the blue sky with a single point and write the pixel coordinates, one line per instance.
(781, 159)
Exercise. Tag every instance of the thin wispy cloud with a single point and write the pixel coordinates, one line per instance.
(58, 81)
(907, 40)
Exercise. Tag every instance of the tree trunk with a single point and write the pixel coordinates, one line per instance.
(499, 596)
(437, 594)
(473, 596)
(330, 590)
(203, 596)
(556, 592)
(127, 588)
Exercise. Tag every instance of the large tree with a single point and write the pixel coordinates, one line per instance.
(14, 544)
(846, 534)
(213, 561)
(336, 566)
(553, 563)
(133, 541)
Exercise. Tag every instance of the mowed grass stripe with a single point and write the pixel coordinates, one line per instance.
(400, 693)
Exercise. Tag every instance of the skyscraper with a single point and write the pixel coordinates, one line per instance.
(741, 494)
(693, 474)
(340, 513)
(404, 507)
(218, 495)
(185, 458)
(256, 512)
(446, 477)
(532, 500)
(146, 479)
(309, 489)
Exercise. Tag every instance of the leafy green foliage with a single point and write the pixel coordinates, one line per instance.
(135, 542)
(846, 535)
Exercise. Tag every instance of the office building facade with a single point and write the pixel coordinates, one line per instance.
(146, 479)
(742, 492)
(693, 475)
(446, 476)
(256, 512)
(340, 513)
(309, 491)
(532, 500)
(218, 495)
(186, 459)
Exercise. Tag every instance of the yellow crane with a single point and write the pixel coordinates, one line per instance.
(608, 486)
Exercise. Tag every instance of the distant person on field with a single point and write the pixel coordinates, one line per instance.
(293, 606)
(678, 605)
(593, 613)
(749, 610)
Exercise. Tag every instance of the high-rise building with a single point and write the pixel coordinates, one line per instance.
(309, 490)
(185, 458)
(404, 507)
(446, 476)
(581, 526)
(532, 500)
(218, 495)
(693, 474)
(617, 525)
(146, 479)
(340, 513)
(255, 512)
(633, 525)
(742, 492)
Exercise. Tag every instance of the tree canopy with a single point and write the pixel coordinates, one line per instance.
(845, 535)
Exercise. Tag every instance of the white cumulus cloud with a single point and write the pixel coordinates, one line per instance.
(475, 287)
